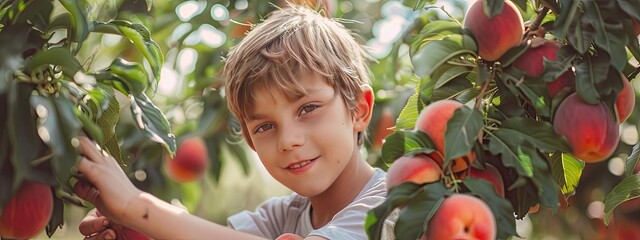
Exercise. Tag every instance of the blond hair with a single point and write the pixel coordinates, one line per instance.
(291, 41)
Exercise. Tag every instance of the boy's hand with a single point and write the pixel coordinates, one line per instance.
(105, 184)
(95, 226)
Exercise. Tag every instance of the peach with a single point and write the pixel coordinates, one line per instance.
(433, 121)
(532, 63)
(490, 174)
(590, 130)
(383, 128)
(190, 161)
(289, 236)
(494, 36)
(626, 100)
(27, 212)
(462, 216)
(417, 169)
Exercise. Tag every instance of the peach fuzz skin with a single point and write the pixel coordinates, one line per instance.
(591, 130)
(189, 162)
(626, 100)
(497, 35)
(27, 213)
(418, 169)
(462, 216)
(433, 121)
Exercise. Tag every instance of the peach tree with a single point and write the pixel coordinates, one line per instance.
(51, 93)
(521, 95)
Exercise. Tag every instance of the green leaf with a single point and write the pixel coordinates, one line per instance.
(500, 207)
(216, 157)
(630, 7)
(591, 72)
(542, 178)
(513, 53)
(501, 142)
(448, 72)
(79, 16)
(57, 216)
(57, 127)
(139, 35)
(565, 18)
(462, 132)
(23, 133)
(452, 89)
(91, 128)
(627, 189)
(405, 142)
(434, 30)
(435, 53)
(609, 36)
(398, 195)
(632, 160)
(540, 133)
(409, 114)
(492, 8)
(564, 61)
(240, 154)
(150, 118)
(133, 74)
(109, 118)
(566, 171)
(13, 39)
(418, 211)
(58, 56)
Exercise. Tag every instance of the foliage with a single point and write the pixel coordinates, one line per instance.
(598, 42)
(50, 95)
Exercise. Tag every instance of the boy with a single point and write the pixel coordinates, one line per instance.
(298, 84)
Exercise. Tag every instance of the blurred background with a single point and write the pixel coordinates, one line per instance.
(194, 37)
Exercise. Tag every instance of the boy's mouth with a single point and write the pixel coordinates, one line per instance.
(301, 165)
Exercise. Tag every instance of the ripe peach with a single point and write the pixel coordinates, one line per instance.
(496, 35)
(462, 216)
(590, 129)
(626, 100)
(289, 236)
(190, 161)
(532, 63)
(383, 128)
(490, 174)
(418, 169)
(433, 121)
(27, 213)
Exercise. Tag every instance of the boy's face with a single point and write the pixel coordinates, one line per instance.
(304, 143)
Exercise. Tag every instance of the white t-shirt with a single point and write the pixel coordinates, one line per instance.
(292, 214)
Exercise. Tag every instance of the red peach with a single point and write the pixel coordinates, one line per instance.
(626, 100)
(27, 212)
(433, 121)
(591, 131)
(462, 216)
(190, 161)
(496, 35)
(417, 169)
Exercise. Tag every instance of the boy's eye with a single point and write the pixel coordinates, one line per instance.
(263, 127)
(308, 108)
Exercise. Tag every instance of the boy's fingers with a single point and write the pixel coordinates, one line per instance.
(108, 234)
(92, 224)
(89, 149)
(85, 191)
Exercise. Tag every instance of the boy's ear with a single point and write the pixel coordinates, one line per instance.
(364, 109)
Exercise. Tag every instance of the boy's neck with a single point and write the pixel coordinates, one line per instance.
(342, 192)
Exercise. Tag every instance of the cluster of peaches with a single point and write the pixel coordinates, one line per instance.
(591, 130)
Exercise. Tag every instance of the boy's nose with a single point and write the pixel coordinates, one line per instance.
(290, 139)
